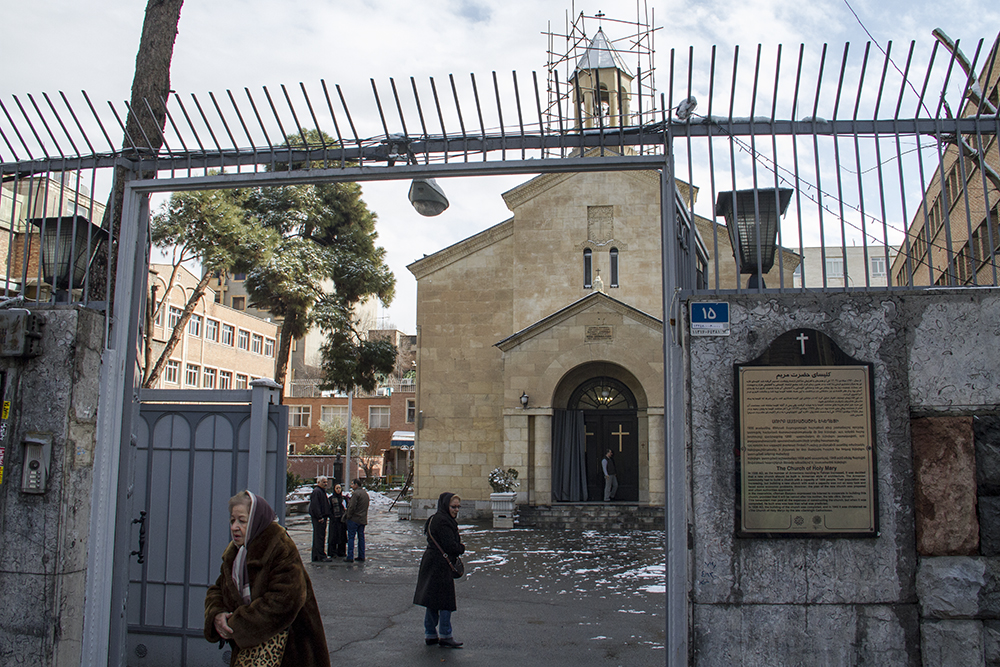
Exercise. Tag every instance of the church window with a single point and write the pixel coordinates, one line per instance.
(614, 267)
(588, 269)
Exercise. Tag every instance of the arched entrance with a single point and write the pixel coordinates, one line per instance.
(610, 423)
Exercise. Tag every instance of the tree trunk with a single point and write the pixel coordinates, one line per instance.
(144, 126)
(284, 348)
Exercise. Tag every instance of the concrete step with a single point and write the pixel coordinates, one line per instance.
(602, 516)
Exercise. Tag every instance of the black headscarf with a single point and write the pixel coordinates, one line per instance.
(443, 512)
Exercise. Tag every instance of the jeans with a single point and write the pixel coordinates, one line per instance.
(359, 529)
(431, 617)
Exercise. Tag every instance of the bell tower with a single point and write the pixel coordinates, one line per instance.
(601, 87)
(590, 86)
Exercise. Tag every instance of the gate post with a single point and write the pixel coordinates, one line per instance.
(675, 477)
(264, 392)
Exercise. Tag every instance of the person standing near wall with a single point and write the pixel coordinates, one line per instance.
(610, 476)
(319, 512)
(356, 518)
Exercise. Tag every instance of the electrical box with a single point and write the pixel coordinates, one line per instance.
(37, 459)
(20, 334)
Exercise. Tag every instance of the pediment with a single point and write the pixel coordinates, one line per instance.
(457, 251)
(593, 302)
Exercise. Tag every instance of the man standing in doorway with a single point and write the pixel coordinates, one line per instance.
(356, 518)
(319, 511)
(610, 476)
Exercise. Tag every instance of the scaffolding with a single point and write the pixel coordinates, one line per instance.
(579, 35)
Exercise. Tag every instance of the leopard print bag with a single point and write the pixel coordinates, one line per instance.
(266, 654)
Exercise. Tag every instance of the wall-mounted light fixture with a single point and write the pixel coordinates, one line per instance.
(524, 399)
(427, 197)
(752, 217)
(64, 258)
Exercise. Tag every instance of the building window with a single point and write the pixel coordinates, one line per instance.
(268, 347)
(194, 326)
(835, 267)
(411, 411)
(172, 371)
(239, 303)
(243, 339)
(878, 266)
(240, 276)
(241, 381)
(614, 267)
(333, 414)
(257, 344)
(227, 334)
(191, 375)
(158, 320)
(588, 269)
(174, 317)
(225, 380)
(212, 330)
(378, 416)
(299, 416)
(208, 378)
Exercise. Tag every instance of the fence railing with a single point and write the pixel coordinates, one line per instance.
(891, 156)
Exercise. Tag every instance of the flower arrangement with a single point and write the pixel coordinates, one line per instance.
(503, 481)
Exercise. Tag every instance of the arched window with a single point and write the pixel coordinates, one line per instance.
(614, 267)
(588, 269)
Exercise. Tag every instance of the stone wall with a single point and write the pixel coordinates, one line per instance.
(926, 591)
(793, 601)
(43, 549)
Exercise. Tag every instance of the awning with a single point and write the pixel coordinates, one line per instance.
(402, 439)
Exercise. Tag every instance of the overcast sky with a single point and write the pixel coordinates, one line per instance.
(68, 45)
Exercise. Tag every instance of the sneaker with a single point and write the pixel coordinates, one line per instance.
(448, 642)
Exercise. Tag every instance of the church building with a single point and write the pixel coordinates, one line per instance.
(540, 339)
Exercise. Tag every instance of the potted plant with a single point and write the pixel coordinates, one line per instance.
(504, 484)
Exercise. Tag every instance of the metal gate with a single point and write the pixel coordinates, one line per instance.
(194, 450)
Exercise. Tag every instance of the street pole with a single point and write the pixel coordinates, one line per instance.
(347, 463)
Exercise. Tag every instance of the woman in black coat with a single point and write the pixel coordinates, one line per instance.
(338, 529)
(435, 583)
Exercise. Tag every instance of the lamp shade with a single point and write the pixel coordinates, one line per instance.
(752, 218)
(427, 197)
(65, 241)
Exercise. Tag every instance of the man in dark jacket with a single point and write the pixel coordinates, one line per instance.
(356, 518)
(319, 511)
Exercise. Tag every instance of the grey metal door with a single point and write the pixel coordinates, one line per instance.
(190, 459)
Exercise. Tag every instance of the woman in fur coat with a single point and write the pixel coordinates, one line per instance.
(435, 583)
(263, 589)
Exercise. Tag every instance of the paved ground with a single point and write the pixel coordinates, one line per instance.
(530, 597)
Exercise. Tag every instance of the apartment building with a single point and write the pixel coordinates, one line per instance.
(836, 266)
(953, 237)
(221, 348)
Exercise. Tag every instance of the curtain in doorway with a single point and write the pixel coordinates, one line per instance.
(569, 467)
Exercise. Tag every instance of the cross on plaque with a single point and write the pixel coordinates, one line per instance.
(802, 338)
(620, 433)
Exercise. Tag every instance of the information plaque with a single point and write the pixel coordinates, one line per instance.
(805, 441)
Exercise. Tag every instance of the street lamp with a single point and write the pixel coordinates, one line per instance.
(752, 218)
(65, 241)
(427, 197)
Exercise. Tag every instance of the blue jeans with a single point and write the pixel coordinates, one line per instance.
(431, 617)
(354, 528)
